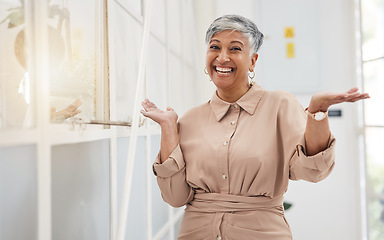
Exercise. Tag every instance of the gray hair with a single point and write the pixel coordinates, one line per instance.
(240, 24)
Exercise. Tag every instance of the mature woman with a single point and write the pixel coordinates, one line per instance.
(229, 160)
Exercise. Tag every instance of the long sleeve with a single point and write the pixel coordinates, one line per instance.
(231, 154)
(312, 168)
(172, 180)
(292, 120)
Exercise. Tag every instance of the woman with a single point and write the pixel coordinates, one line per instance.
(229, 160)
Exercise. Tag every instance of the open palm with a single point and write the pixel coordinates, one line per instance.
(153, 112)
(322, 101)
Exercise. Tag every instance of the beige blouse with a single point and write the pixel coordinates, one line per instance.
(233, 163)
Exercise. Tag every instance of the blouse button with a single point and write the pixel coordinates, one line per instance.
(235, 106)
(218, 237)
(225, 143)
(224, 176)
(233, 123)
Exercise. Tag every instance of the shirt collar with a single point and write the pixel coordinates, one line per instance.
(248, 102)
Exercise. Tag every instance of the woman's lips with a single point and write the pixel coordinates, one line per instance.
(223, 70)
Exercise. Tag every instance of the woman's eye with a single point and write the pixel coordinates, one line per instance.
(236, 49)
(214, 47)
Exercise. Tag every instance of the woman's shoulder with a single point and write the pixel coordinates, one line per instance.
(279, 96)
(195, 113)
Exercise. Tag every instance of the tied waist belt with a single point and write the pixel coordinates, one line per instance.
(216, 202)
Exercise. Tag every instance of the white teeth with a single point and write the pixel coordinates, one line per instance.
(225, 70)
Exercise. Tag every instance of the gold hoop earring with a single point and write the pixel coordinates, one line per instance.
(251, 75)
(206, 72)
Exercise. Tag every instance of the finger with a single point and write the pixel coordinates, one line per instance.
(77, 102)
(72, 107)
(143, 104)
(152, 105)
(353, 90)
(144, 113)
(361, 97)
(146, 105)
(351, 96)
(71, 114)
(146, 102)
(340, 96)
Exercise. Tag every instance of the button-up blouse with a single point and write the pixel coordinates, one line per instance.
(233, 163)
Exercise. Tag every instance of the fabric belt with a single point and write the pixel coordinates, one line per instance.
(216, 202)
(221, 204)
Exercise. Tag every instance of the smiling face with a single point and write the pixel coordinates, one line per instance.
(228, 61)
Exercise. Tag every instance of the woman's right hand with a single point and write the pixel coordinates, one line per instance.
(161, 117)
(168, 122)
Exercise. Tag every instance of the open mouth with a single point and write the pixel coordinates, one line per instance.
(223, 70)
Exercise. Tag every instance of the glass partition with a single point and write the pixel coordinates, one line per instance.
(77, 61)
(80, 191)
(18, 193)
(15, 85)
(372, 17)
(375, 183)
(74, 35)
(136, 227)
(374, 84)
(125, 46)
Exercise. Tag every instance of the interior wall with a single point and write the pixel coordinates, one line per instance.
(330, 209)
(18, 213)
(80, 191)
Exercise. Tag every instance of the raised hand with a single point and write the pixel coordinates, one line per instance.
(161, 117)
(168, 122)
(70, 111)
(322, 101)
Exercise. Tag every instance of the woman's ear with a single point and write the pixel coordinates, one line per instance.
(254, 58)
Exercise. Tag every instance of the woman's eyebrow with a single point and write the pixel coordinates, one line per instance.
(214, 40)
(238, 42)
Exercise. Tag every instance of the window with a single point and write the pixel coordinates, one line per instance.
(77, 61)
(372, 17)
(15, 86)
(93, 54)
(77, 57)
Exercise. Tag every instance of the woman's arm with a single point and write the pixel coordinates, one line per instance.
(168, 123)
(317, 133)
(169, 166)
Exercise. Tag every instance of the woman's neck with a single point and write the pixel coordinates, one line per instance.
(232, 95)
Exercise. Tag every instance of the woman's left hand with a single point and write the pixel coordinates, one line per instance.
(322, 101)
(70, 111)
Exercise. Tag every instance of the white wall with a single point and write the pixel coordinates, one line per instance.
(329, 209)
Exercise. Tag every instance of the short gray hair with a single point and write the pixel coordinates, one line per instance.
(240, 24)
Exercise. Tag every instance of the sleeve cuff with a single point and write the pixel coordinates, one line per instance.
(321, 161)
(173, 164)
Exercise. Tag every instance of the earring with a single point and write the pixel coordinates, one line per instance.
(251, 75)
(206, 72)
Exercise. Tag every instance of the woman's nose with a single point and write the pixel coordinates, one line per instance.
(223, 57)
